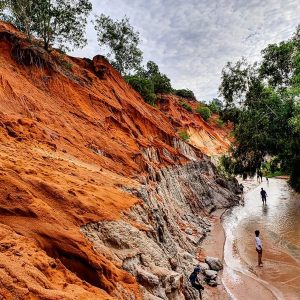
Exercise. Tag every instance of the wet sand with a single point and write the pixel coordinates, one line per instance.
(232, 286)
(213, 245)
(279, 223)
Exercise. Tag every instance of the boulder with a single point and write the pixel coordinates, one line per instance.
(212, 283)
(147, 278)
(204, 266)
(214, 263)
(211, 274)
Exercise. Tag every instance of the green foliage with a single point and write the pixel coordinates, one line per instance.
(263, 102)
(122, 41)
(149, 82)
(161, 83)
(185, 93)
(220, 123)
(59, 22)
(184, 135)
(144, 86)
(185, 106)
(204, 112)
(215, 105)
(65, 63)
(235, 78)
(277, 63)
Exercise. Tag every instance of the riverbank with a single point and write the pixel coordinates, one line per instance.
(213, 245)
(229, 287)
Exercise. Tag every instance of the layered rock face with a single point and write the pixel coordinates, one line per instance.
(162, 253)
(100, 199)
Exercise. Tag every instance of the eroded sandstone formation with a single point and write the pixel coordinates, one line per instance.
(100, 198)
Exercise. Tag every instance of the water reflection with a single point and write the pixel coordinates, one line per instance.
(265, 209)
(279, 223)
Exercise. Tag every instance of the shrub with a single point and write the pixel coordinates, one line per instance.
(184, 135)
(185, 93)
(204, 112)
(144, 86)
(185, 106)
(219, 123)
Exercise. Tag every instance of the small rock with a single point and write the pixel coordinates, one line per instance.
(189, 231)
(17, 253)
(222, 182)
(212, 283)
(211, 274)
(214, 263)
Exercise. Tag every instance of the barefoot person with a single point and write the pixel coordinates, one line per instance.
(258, 246)
(263, 195)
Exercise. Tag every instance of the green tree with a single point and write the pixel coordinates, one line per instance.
(122, 42)
(215, 105)
(263, 102)
(161, 83)
(144, 86)
(277, 63)
(59, 22)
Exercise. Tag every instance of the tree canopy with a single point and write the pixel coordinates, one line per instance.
(262, 100)
(59, 22)
(122, 41)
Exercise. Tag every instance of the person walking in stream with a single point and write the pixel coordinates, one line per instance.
(258, 247)
(263, 195)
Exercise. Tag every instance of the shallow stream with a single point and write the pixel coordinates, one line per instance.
(279, 224)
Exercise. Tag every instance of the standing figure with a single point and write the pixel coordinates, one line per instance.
(263, 195)
(258, 246)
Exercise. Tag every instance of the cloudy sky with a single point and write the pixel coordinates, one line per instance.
(191, 40)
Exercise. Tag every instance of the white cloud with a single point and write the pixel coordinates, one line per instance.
(191, 40)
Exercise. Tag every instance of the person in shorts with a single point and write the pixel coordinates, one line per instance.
(258, 247)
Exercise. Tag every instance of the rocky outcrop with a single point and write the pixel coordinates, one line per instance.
(160, 246)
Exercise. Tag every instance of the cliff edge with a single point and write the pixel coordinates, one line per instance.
(100, 198)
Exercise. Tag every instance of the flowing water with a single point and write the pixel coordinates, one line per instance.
(279, 224)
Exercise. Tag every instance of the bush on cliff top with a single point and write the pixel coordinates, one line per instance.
(185, 93)
(204, 112)
(144, 86)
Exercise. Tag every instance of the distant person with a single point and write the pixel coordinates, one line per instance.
(258, 246)
(258, 176)
(263, 195)
(261, 175)
(267, 179)
(195, 281)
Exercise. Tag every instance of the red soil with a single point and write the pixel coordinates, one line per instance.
(70, 138)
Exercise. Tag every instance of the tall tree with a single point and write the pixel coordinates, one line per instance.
(122, 41)
(59, 22)
(263, 102)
